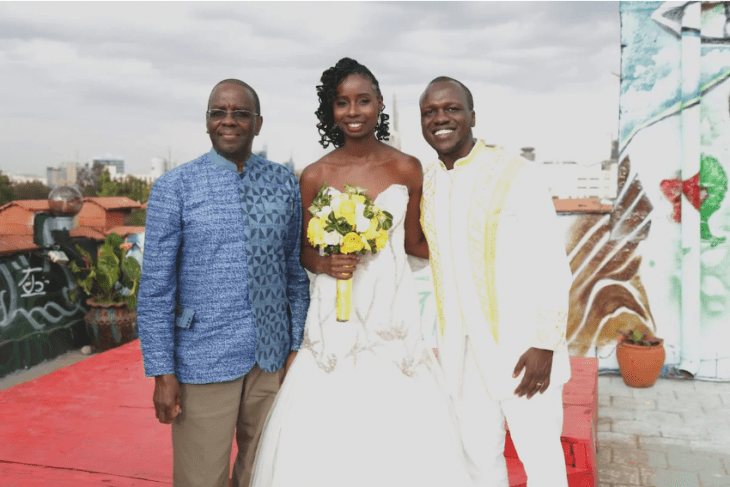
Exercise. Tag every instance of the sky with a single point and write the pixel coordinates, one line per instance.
(132, 79)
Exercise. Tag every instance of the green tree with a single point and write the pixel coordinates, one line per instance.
(131, 187)
(106, 186)
(6, 189)
(88, 179)
(32, 190)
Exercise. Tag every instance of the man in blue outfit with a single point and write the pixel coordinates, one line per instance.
(223, 297)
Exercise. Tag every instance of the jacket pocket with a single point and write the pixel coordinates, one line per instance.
(184, 317)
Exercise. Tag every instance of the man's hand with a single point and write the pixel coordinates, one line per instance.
(537, 363)
(167, 398)
(289, 360)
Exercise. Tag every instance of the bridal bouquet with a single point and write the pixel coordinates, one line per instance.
(346, 223)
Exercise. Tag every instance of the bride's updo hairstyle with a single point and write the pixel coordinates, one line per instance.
(327, 92)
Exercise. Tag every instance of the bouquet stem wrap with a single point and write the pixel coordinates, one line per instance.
(344, 299)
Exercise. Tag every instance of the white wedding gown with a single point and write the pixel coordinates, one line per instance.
(362, 404)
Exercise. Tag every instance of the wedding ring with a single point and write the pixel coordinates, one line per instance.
(539, 383)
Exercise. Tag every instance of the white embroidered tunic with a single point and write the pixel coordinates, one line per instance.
(500, 270)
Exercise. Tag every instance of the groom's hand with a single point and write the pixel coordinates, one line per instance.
(167, 398)
(537, 363)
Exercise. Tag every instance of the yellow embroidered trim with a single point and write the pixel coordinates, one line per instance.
(483, 223)
(428, 223)
(495, 208)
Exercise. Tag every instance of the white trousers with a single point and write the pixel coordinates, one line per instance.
(535, 427)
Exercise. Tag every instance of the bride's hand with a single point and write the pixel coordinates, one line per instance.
(339, 266)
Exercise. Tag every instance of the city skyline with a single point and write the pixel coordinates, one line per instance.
(133, 79)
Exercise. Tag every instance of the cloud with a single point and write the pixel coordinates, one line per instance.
(133, 78)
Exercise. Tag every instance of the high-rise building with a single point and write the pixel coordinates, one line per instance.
(63, 175)
(110, 160)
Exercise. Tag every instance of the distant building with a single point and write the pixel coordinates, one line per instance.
(24, 178)
(568, 180)
(110, 161)
(147, 178)
(104, 214)
(64, 175)
(580, 188)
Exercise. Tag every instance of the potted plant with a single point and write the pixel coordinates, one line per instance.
(640, 357)
(111, 282)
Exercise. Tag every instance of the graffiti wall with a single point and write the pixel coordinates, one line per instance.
(38, 321)
(661, 259)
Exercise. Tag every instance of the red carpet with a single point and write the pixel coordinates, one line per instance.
(88, 424)
(93, 424)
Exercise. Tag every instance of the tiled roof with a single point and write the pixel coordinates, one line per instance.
(18, 236)
(31, 205)
(87, 232)
(12, 244)
(114, 202)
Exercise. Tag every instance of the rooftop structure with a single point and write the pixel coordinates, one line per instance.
(110, 160)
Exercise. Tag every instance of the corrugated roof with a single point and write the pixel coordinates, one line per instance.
(113, 202)
(12, 244)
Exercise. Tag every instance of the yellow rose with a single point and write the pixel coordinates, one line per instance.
(315, 232)
(351, 243)
(381, 239)
(358, 199)
(347, 209)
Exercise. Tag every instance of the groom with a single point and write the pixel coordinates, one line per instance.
(502, 280)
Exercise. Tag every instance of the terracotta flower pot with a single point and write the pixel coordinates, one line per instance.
(110, 325)
(640, 366)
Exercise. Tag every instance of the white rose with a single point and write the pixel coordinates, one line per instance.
(362, 223)
(331, 192)
(335, 204)
(324, 212)
(332, 238)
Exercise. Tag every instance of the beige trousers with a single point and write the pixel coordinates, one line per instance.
(202, 436)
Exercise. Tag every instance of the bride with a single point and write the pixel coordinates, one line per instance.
(362, 403)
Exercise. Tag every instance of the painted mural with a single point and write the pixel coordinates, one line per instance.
(662, 258)
(38, 321)
(607, 293)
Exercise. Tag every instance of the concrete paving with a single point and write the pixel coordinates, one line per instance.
(673, 434)
(43, 368)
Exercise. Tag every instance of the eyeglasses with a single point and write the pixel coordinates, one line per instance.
(239, 115)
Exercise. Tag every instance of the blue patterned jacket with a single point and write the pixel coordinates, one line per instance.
(222, 284)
